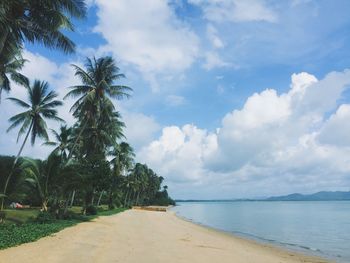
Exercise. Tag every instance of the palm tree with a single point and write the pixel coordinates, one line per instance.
(103, 132)
(41, 174)
(41, 106)
(38, 21)
(123, 160)
(10, 66)
(63, 141)
(98, 86)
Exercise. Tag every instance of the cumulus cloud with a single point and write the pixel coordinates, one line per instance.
(336, 129)
(287, 140)
(148, 35)
(140, 128)
(179, 153)
(236, 10)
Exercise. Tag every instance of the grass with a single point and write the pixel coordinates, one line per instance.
(20, 216)
(14, 234)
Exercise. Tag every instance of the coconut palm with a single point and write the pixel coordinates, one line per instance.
(63, 141)
(102, 133)
(38, 21)
(41, 174)
(94, 94)
(42, 105)
(123, 160)
(10, 66)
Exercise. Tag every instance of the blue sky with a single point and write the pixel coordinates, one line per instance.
(231, 97)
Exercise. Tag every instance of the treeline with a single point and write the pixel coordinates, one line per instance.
(52, 187)
(91, 162)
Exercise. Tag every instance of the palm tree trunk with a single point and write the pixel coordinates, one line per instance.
(13, 166)
(126, 198)
(44, 205)
(72, 200)
(99, 199)
(110, 198)
(129, 198)
(66, 205)
(137, 198)
(76, 141)
(93, 197)
(133, 198)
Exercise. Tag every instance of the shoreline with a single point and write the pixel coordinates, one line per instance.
(147, 236)
(273, 245)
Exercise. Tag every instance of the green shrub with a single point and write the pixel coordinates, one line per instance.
(91, 210)
(12, 235)
(45, 217)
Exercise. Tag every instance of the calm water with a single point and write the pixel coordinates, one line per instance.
(321, 228)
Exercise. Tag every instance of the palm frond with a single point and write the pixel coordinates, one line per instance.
(19, 102)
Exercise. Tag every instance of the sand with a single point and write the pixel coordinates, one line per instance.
(143, 236)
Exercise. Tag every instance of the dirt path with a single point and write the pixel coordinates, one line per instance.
(142, 237)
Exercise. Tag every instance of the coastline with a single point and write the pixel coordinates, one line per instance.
(146, 236)
(259, 242)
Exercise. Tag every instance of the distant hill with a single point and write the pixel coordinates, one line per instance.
(319, 196)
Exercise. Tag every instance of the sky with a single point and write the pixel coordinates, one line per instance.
(231, 98)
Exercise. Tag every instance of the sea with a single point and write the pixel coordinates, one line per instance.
(319, 228)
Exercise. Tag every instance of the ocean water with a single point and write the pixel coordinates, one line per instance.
(317, 228)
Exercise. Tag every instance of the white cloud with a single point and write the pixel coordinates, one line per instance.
(175, 100)
(286, 140)
(140, 128)
(148, 35)
(236, 10)
(212, 60)
(336, 130)
(212, 35)
(178, 154)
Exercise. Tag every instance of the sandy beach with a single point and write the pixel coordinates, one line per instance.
(144, 236)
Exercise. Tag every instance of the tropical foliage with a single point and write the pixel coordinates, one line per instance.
(91, 163)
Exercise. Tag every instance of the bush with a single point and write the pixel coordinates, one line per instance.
(12, 235)
(45, 217)
(74, 216)
(91, 210)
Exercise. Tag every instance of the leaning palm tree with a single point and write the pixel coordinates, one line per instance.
(98, 86)
(38, 21)
(42, 105)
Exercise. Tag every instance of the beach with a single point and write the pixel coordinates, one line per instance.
(146, 236)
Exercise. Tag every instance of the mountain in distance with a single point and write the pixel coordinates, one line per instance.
(319, 196)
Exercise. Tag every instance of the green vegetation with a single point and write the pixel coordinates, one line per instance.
(78, 170)
(14, 216)
(91, 164)
(26, 20)
(12, 234)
